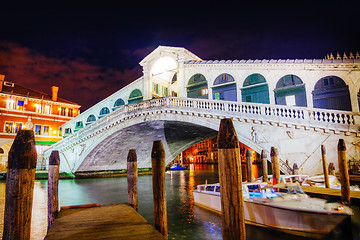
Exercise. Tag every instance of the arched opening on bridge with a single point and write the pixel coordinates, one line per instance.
(290, 91)
(135, 96)
(118, 103)
(90, 119)
(224, 88)
(255, 89)
(78, 126)
(331, 92)
(162, 77)
(197, 87)
(103, 112)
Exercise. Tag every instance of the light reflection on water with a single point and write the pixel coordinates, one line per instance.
(185, 221)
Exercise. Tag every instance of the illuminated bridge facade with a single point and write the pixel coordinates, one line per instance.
(295, 105)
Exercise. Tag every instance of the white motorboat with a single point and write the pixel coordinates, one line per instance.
(291, 178)
(283, 207)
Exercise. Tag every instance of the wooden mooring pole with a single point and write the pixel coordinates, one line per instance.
(20, 180)
(275, 165)
(344, 173)
(132, 178)
(53, 187)
(264, 165)
(325, 166)
(159, 187)
(232, 205)
(249, 177)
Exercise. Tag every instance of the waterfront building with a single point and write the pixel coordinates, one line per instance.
(22, 107)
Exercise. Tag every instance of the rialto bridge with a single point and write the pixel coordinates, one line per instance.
(294, 105)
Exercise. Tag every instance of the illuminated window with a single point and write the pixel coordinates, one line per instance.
(165, 91)
(10, 104)
(47, 109)
(46, 130)
(18, 126)
(20, 105)
(9, 127)
(71, 112)
(38, 107)
(63, 111)
(37, 129)
(155, 88)
(60, 131)
(204, 91)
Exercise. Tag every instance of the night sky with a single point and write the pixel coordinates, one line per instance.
(92, 49)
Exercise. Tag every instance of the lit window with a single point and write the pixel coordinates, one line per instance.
(60, 131)
(47, 109)
(9, 127)
(46, 130)
(18, 126)
(165, 91)
(71, 112)
(204, 91)
(38, 107)
(37, 129)
(63, 111)
(155, 88)
(20, 105)
(10, 104)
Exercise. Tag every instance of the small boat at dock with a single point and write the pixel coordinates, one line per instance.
(177, 166)
(283, 207)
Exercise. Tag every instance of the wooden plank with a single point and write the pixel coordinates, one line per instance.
(118, 221)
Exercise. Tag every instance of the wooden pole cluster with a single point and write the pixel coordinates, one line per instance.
(249, 177)
(232, 205)
(325, 166)
(275, 165)
(20, 180)
(132, 178)
(264, 165)
(53, 187)
(344, 173)
(159, 187)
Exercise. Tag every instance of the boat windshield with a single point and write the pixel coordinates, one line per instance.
(271, 192)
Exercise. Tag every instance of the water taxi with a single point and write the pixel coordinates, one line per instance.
(283, 207)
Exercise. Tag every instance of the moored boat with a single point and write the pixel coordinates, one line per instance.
(283, 207)
(177, 166)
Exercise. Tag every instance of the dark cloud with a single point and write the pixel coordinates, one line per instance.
(78, 80)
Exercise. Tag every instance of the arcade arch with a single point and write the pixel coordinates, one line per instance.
(290, 90)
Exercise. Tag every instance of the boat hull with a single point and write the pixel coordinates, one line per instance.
(303, 223)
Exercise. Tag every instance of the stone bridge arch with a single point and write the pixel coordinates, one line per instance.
(180, 123)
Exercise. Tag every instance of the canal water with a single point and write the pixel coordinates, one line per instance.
(185, 220)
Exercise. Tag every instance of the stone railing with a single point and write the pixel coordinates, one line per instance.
(300, 117)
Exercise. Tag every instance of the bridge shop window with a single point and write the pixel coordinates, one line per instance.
(288, 86)
(196, 86)
(90, 119)
(104, 111)
(118, 103)
(255, 89)
(331, 92)
(79, 125)
(135, 96)
(224, 88)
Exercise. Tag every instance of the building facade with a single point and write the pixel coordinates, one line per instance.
(25, 108)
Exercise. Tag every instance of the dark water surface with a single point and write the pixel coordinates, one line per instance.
(185, 221)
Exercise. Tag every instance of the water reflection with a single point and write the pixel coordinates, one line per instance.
(185, 221)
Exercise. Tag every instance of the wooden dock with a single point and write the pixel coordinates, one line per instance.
(118, 221)
(331, 193)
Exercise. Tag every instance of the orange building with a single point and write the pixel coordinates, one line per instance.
(24, 108)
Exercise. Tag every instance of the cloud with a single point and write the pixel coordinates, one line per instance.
(78, 81)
